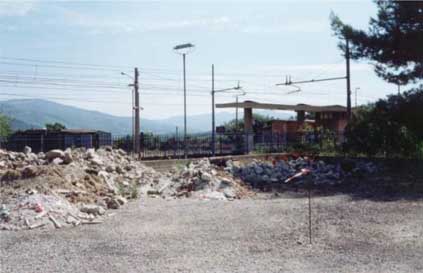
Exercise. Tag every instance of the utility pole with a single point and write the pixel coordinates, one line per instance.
(236, 115)
(213, 91)
(137, 112)
(347, 57)
(213, 120)
(399, 89)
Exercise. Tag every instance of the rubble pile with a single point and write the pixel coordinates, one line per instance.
(62, 188)
(262, 172)
(202, 180)
(79, 186)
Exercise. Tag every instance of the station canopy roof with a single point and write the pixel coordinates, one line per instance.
(271, 106)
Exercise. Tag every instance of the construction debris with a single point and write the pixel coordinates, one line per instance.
(77, 186)
(66, 188)
(259, 173)
(199, 179)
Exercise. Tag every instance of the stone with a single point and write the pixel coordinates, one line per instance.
(93, 209)
(110, 169)
(112, 203)
(68, 158)
(214, 195)
(258, 169)
(206, 177)
(51, 155)
(225, 183)
(3, 164)
(90, 154)
(229, 193)
(29, 171)
(119, 169)
(96, 160)
(27, 150)
(121, 200)
(11, 175)
(57, 161)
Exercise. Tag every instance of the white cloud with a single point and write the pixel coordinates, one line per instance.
(17, 8)
(115, 25)
(280, 27)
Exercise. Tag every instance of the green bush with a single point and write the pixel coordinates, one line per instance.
(390, 127)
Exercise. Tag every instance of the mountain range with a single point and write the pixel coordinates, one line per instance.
(35, 113)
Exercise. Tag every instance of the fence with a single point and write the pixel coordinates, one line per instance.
(43, 143)
(171, 146)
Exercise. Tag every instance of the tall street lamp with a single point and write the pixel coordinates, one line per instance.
(184, 49)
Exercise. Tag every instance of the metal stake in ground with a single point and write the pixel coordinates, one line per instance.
(309, 209)
(305, 173)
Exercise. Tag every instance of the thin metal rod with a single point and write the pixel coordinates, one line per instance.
(309, 213)
(236, 116)
(213, 116)
(311, 81)
(185, 110)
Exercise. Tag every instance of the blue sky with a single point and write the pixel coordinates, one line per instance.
(255, 42)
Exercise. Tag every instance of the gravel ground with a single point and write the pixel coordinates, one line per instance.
(253, 235)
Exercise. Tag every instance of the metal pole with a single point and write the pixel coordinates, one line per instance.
(213, 120)
(309, 212)
(356, 97)
(236, 115)
(176, 143)
(399, 89)
(137, 113)
(347, 57)
(133, 121)
(185, 109)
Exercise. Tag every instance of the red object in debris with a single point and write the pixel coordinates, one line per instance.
(303, 172)
(38, 208)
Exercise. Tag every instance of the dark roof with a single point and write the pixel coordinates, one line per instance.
(271, 106)
(66, 131)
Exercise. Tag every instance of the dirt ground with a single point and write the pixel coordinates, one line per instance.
(263, 234)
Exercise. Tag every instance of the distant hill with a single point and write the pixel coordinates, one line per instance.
(202, 122)
(35, 113)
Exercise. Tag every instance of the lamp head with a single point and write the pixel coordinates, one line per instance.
(184, 48)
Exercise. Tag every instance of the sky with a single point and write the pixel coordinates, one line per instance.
(73, 52)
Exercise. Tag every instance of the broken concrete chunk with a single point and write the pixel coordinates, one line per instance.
(93, 209)
(57, 161)
(27, 150)
(50, 155)
(68, 158)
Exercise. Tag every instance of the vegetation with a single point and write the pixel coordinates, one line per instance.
(389, 127)
(5, 128)
(392, 126)
(55, 126)
(394, 40)
(260, 122)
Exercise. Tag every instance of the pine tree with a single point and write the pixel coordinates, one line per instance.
(394, 40)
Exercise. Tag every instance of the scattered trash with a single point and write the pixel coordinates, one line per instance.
(38, 208)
